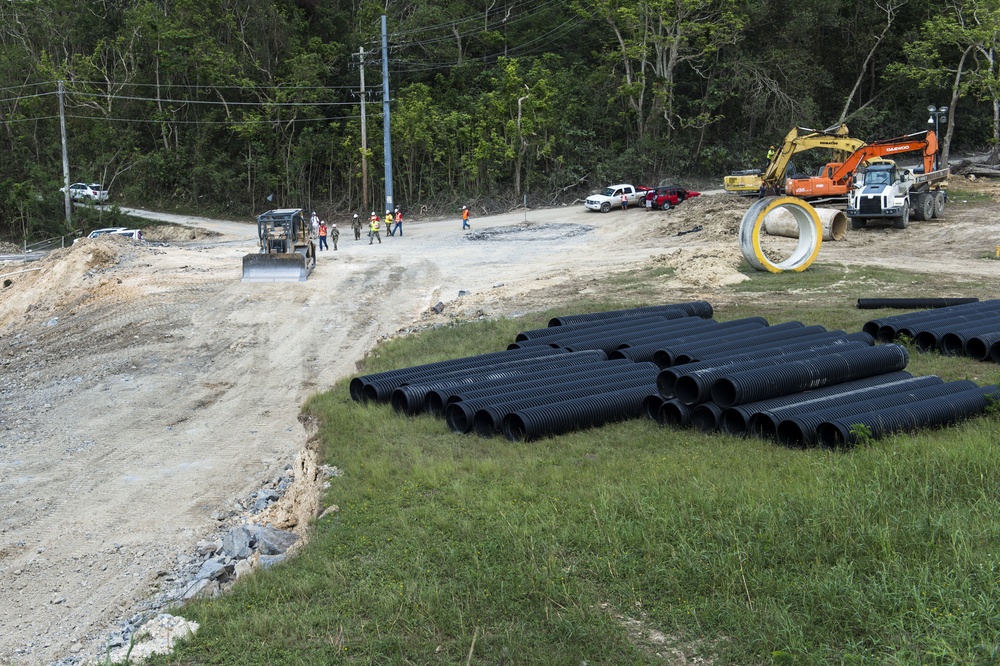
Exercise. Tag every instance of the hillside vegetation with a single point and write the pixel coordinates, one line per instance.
(238, 106)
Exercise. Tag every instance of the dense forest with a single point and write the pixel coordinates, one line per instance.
(233, 106)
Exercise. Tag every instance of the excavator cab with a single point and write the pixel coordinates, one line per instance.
(287, 248)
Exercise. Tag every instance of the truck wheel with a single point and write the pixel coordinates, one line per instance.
(858, 223)
(939, 200)
(923, 206)
(666, 205)
(605, 207)
(903, 221)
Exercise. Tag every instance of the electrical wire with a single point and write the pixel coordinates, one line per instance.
(213, 102)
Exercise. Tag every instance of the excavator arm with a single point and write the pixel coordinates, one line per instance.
(925, 141)
(801, 139)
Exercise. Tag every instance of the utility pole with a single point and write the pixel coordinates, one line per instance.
(387, 140)
(65, 156)
(364, 134)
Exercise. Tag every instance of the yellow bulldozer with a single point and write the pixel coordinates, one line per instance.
(287, 248)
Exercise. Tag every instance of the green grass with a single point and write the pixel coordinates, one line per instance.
(540, 553)
(960, 196)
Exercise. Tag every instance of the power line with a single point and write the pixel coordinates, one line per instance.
(209, 101)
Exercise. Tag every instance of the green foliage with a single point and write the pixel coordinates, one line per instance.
(214, 105)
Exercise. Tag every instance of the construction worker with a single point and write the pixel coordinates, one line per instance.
(373, 230)
(388, 222)
(624, 201)
(465, 218)
(314, 220)
(356, 225)
(770, 154)
(334, 236)
(399, 223)
(322, 236)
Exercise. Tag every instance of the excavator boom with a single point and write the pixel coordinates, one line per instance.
(834, 179)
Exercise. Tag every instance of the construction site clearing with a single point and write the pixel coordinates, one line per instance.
(151, 400)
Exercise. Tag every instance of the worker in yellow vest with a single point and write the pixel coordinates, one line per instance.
(373, 230)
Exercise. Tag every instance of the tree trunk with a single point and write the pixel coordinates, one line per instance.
(956, 89)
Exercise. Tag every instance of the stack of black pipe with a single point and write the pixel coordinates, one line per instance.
(969, 329)
(797, 384)
(549, 381)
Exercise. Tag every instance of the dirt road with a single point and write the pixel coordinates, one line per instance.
(145, 387)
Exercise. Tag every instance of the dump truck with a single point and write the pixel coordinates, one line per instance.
(834, 180)
(287, 248)
(884, 190)
(798, 140)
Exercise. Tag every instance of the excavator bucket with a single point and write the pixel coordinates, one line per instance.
(274, 268)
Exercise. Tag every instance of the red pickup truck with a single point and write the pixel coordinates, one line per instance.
(666, 197)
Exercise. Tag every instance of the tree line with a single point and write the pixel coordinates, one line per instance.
(233, 106)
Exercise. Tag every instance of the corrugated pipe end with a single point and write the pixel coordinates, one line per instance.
(514, 428)
(834, 435)
(763, 427)
(925, 341)
(705, 417)
(459, 418)
(733, 422)
(487, 422)
(790, 434)
(370, 393)
(952, 344)
(357, 389)
(434, 403)
(674, 414)
(651, 405)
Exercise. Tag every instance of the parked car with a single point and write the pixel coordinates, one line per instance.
(100, 232)
(667, 196)
(93, 192)
(611, 197)
(134, 234)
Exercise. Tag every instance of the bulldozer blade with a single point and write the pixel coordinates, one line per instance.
(274, 268)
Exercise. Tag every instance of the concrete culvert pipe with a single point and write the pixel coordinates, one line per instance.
(810, 235)
(781, 222)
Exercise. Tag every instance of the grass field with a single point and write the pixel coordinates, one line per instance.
(634, 544)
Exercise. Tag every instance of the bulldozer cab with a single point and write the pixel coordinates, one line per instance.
(287, 248)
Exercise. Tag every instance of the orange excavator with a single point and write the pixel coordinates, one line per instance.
(833, 181)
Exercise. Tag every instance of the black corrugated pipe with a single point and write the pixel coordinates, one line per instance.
(873, 325)
(942, 410)
(736, 420)
(927, 336)
(701, 309)
(539, 334)
(632, 324)
(595, 376)
(381, 390)
(954, 341)
(664, 356)
(912, 303)
(607, 341)
(643, 351)
(834, 368)
(800, 338)
(668, 376)
(696, 327)
(488, 415)
(705, 417)
(978, 346)
(562, 417)
(890, 332)
(651, 405)
(545, 336)
(462, 413)
(995, 352)
(674, 414)
(690, 350)
(763, 423)
(694, 387)
(800, 430)
(403, 374)
(411, 398)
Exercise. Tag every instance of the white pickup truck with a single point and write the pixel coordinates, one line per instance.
(611, 197)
